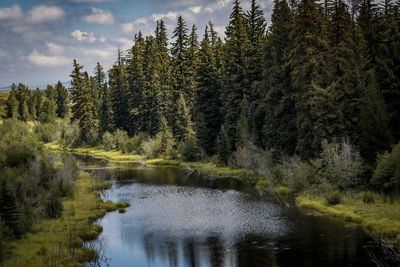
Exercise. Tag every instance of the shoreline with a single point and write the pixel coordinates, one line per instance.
(61, 241)
(380, 217)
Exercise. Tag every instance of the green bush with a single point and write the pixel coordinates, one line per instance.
(189, 150)
(333, 198)
(19, 158)
(368, 198)
(296, 174)
(46, 132)
(263, 186)
(386, 176)
(53, 207)
(340, 164)
(114, 141)
(70, 134)
(134, 144)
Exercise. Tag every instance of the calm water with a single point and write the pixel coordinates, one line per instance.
(181, 220)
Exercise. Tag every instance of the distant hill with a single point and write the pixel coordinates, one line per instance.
(33, 87)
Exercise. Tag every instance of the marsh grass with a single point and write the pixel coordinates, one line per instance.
(60, 242)
(380, 216)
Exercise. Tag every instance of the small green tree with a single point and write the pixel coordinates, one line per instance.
(223, 147)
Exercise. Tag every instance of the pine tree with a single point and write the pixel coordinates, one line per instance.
(162, 72)
(119, 95)
(255, 27)
(184, 125)
(166, 137)
(277, 95)
(242, 128)
(374, 132)
(136, 79)
(223, 147)
(37, 100)
(47, 111)
(236, 80)
(309, 78)
(10, 212)
(180, 68)
(50, 92)
(22, 94)
(82, 107)
(62, 100)
(106, 115)
(12, 104)
(207, 105)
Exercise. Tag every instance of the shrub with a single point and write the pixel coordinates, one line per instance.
(188, 149)
(151, 147)
(368, 198)
(263, 186)
(46, 132)
(19, 158)
(108, 141)
(340, 164)
(134, 144)
(296, 174)
(333, 198)
(70, 134)
(253, 158)
(53, 207)
(387, 173)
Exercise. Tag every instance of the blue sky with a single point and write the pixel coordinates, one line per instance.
(39, 39)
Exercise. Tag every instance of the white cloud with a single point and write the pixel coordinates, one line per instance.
(10, 13)
(42, 13)
(138, 24)
(49, 61)
(3, 53)
(55, 49)
(83, 36)
(99, 16)
(126, 43)
(108, 52)
(195, 9)
(217, 6)
(169, 15)
(92, 1)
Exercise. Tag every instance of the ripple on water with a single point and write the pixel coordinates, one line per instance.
(188, 212)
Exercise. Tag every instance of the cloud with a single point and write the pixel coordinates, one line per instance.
(195, 9)
(10, 13)
(220, 4)
(99, 16)
(49, 61)
(137, 24)
(91, 1)
(3, 54)
(42, 13)
(83, 36)
(55, 49)
(169, 15)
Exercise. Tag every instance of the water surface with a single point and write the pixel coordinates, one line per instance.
(181, 220)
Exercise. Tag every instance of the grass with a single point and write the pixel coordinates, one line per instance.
(59, 242)
(380, 217)
(116, 156)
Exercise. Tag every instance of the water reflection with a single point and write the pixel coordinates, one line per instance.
(175, 220)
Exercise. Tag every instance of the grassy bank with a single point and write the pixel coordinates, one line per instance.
(116, 156)
(60, 242)
(381, 216)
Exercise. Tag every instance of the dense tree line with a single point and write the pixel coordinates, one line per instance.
(321, 71)
(325, 70)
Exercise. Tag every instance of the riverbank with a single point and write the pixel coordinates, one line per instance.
(60, 242)
(382, 217)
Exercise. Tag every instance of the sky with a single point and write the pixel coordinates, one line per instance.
(40, 39)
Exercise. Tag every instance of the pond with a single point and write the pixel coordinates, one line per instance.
(176, 219)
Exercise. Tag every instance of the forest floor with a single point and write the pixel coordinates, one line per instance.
(381, 217)
(60, 242)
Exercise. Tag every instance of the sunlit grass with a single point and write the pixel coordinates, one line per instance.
(59, 242)
(381, 217)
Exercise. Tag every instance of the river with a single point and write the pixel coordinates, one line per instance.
(176, 219)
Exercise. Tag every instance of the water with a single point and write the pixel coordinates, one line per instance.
(180, 220)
